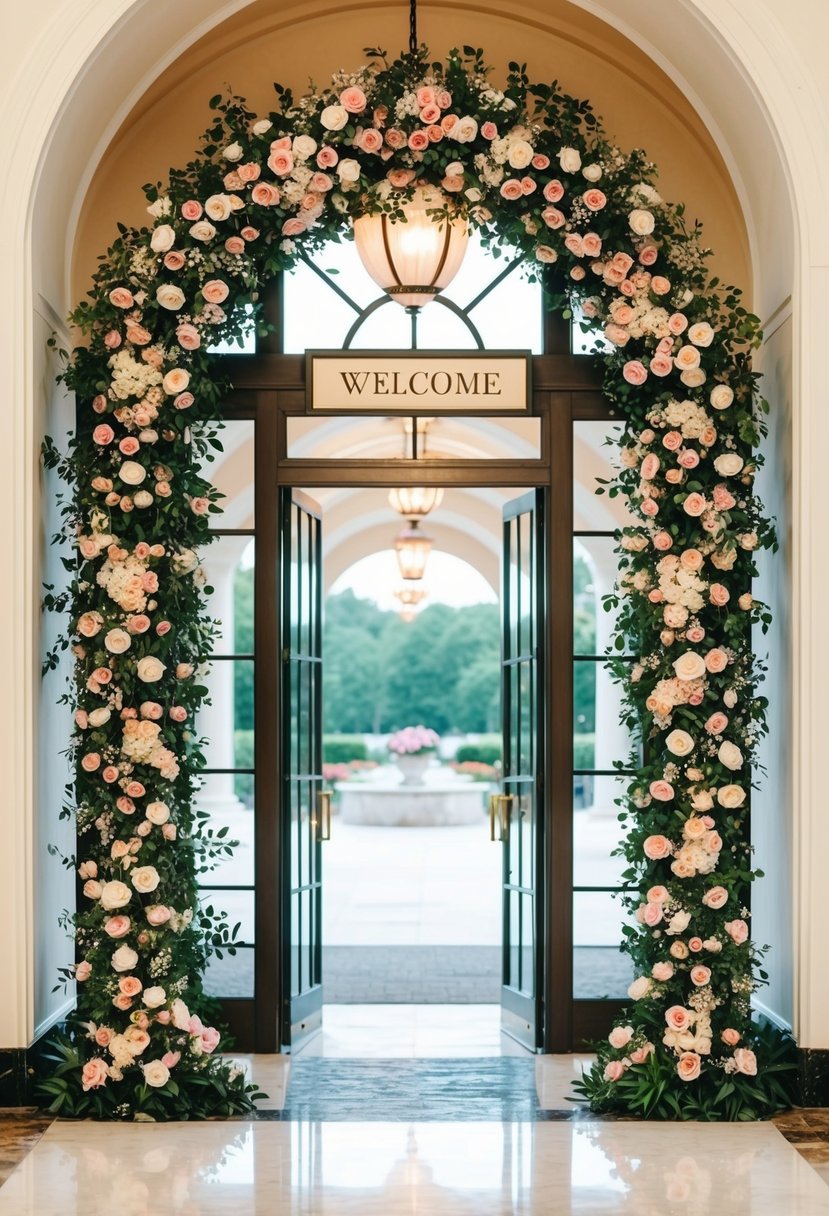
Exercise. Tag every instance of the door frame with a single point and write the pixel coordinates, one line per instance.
(270, 387)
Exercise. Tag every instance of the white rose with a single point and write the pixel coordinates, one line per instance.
(260, 127)
(115, 895)
(592, 173)
(730, 698)
(170, 296)
(641, 222)
(143, 499)
(132, 473)
(731, 796)
(679, 922)
(693, 377)
(158, 812)
(236, 203)
(334, 118)
(218, 206)
(176, 381)
(150, 669)
(153, 997)
(639, 988)
(99, 717)
(348, 170)
(156, 1074)
(464, 130)
(729, 464)
(124, 959)
(701, 334)
(569, 159)
(117, 641)
(161, 206)
(520, 154)
(148, 435)
(730, 755)
(233, 152)
(202, 230)
(680, 743)
(721, 396)
(145, 879)
(163, 238)
(303, 147)
(689, 666)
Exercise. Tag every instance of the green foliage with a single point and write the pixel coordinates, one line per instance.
(341, 749)
(485, 753)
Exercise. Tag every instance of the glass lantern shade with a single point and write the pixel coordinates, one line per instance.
(413, 549)
(416, 501)
(410, 597)
(412, 259)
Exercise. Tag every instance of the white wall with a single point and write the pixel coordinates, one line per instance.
(753, 67)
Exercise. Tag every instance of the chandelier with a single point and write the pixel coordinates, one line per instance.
(412, 547)
(415, 502)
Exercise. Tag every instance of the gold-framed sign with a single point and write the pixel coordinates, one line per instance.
(418, 382)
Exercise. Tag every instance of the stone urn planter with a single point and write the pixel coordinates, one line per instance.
(413, 767)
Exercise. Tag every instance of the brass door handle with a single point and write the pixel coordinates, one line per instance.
(499, 811)
(324, 814)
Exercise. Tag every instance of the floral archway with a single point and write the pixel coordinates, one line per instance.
(533, 170)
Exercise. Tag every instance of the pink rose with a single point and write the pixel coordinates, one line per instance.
(688, 458)
(170, 1058)
(162, 628)
(112, 339)
(746, 1061)
(372, 141)
(264, 194)
(660, 286)
(592, 244)
(575, 244)
(662, 541)
(418, 141)
(641, 1054)
(689, 1066)
(715, 897)
(91, 762)
(353, 99)
(737, 930)
(129, 445)
(652, 914)
(661, 365)
(169, 830)
(138, 624)
(553, 191)
(215, 291)
(553, 218)
(678, 1018)
(719, 595)
(672, 441)
(182, 402)
(694, 505)
(662, 972)
(327, 157)
(94, 1075)
(428, 115)
(716, 660)
(158, 914)
(125, 805)
(657, 847)
(187, 335)
(280, 162)
(620, 1036)
(511, 189)
(614, 1069)
(649, 467)
(177, 713)
(103, 434)
(210, 1038)
(529, 186)
(662, 791)
(83, 971)
(700, 975)
(191, 210)
(594, 199)
(730, 1036)
(130, 985)
(248, 233)
(135, 789)
(121, 297)
(716, 724)
(110, 774)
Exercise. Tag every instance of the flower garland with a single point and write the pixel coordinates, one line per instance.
(532, 169)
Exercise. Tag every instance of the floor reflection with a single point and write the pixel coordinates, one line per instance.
(437, 1169)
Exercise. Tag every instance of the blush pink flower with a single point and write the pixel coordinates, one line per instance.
(715, 897)
(694, 505)
(672, 441)
(746, 1062)
(353, 99)
(716, 660)
(662, 791)
(657, 847)
(678, 1018)
(594, 199)
(689, 1066)
(553, 218)
(737, 930)
(613, 1070)
(730, 1036)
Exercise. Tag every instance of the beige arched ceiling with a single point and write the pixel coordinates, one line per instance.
(292, 42)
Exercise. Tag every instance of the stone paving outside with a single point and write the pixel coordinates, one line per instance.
(414, 914)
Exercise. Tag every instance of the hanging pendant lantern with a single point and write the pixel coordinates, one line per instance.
(415, 502)
(412, 259)
(410, 597)
(413, 548)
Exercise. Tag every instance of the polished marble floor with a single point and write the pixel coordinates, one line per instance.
(582, 1168)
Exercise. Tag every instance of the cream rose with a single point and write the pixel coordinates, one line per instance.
(689, 666)
(115, 895)
(163, 238)
(729, 464)
(132, 473)
(639, 988)
(175, 381)
(202, 230)
(117, 641)
(464, 130)
(721, 396)
(153, 997)
(520, 154)
(303, 147)
(150, 669)
(218, 207)
(348, 170)
(169, 296)
(680, 743)
(233, 152)
(145, 879)
(569, 159)
(730, 755)
(334, 118)
(701, 334)
(156, 1073)
(158, 813)
(731, 796)
(124, 959)
(641, 222)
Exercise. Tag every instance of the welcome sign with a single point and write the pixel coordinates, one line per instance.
(418, 381)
